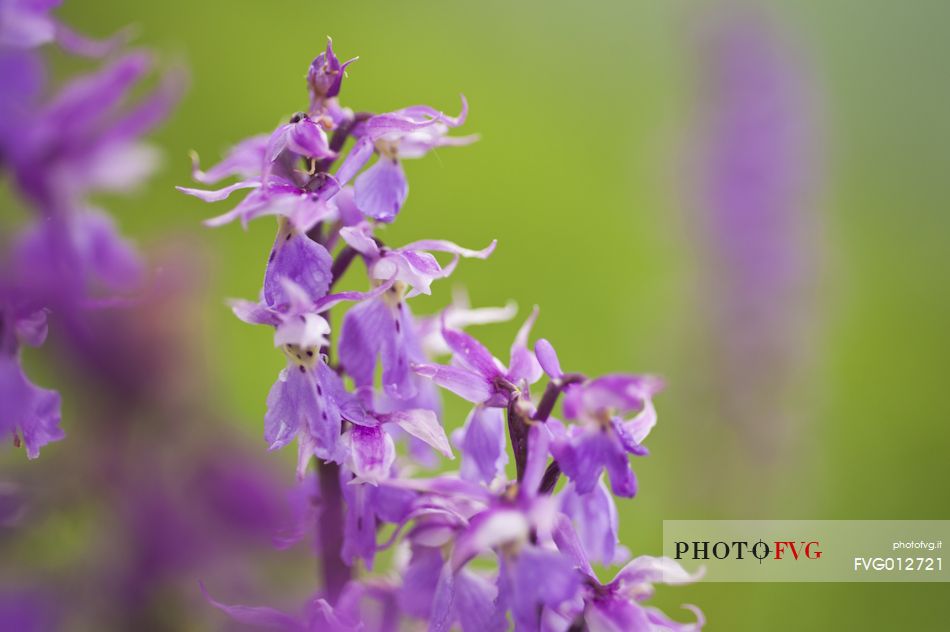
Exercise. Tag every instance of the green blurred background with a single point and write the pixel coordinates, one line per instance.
(583, 109)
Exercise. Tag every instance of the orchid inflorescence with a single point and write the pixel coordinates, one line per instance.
(474, 549)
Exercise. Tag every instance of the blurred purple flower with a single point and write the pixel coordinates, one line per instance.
(756, 199)
(30, 414)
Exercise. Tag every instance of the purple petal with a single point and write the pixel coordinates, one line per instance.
(464, 383)
(257, 615)
(299, 259)
(359, 536)
(568, 543)
(440, 245)
(540, 578)
(616, 615)
(219, 194)
(595, 517)
(474, 603)
(254, 313)
(424, 425)
(443, 602)
(360, 238)
(381, 190)
(472, 353)
(419, 581)
(364, 332)
(418, 111)
(330, 300)
(623, 481)
(360, 154)
(654, 570)
(548, 359)
(523, 365)
(372, 452)
(375, 328)
(32, 411)
(640, 426)
(306, 138)
(245, 160)
(661, 622)
(299, 405)
(618, 392)
(584, 453)
(483, 444)
(394, 123)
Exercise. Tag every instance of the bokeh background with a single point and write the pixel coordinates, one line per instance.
(599, 136)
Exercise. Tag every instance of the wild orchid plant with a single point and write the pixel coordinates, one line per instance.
(477, 550)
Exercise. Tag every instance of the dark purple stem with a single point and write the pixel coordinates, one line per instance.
(548, 400)
(341, 263)
(330, 531)
(552, 392)
(336, 573)
(518, 433)
(549, 480)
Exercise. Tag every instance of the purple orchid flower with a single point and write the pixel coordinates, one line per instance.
(370, 461)
(407, 133)
(385, 327)
(612, 416)
(477, 375)
(308, 402)
(372, 451)
(279, 172)
(30, 414)
(615, 607)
